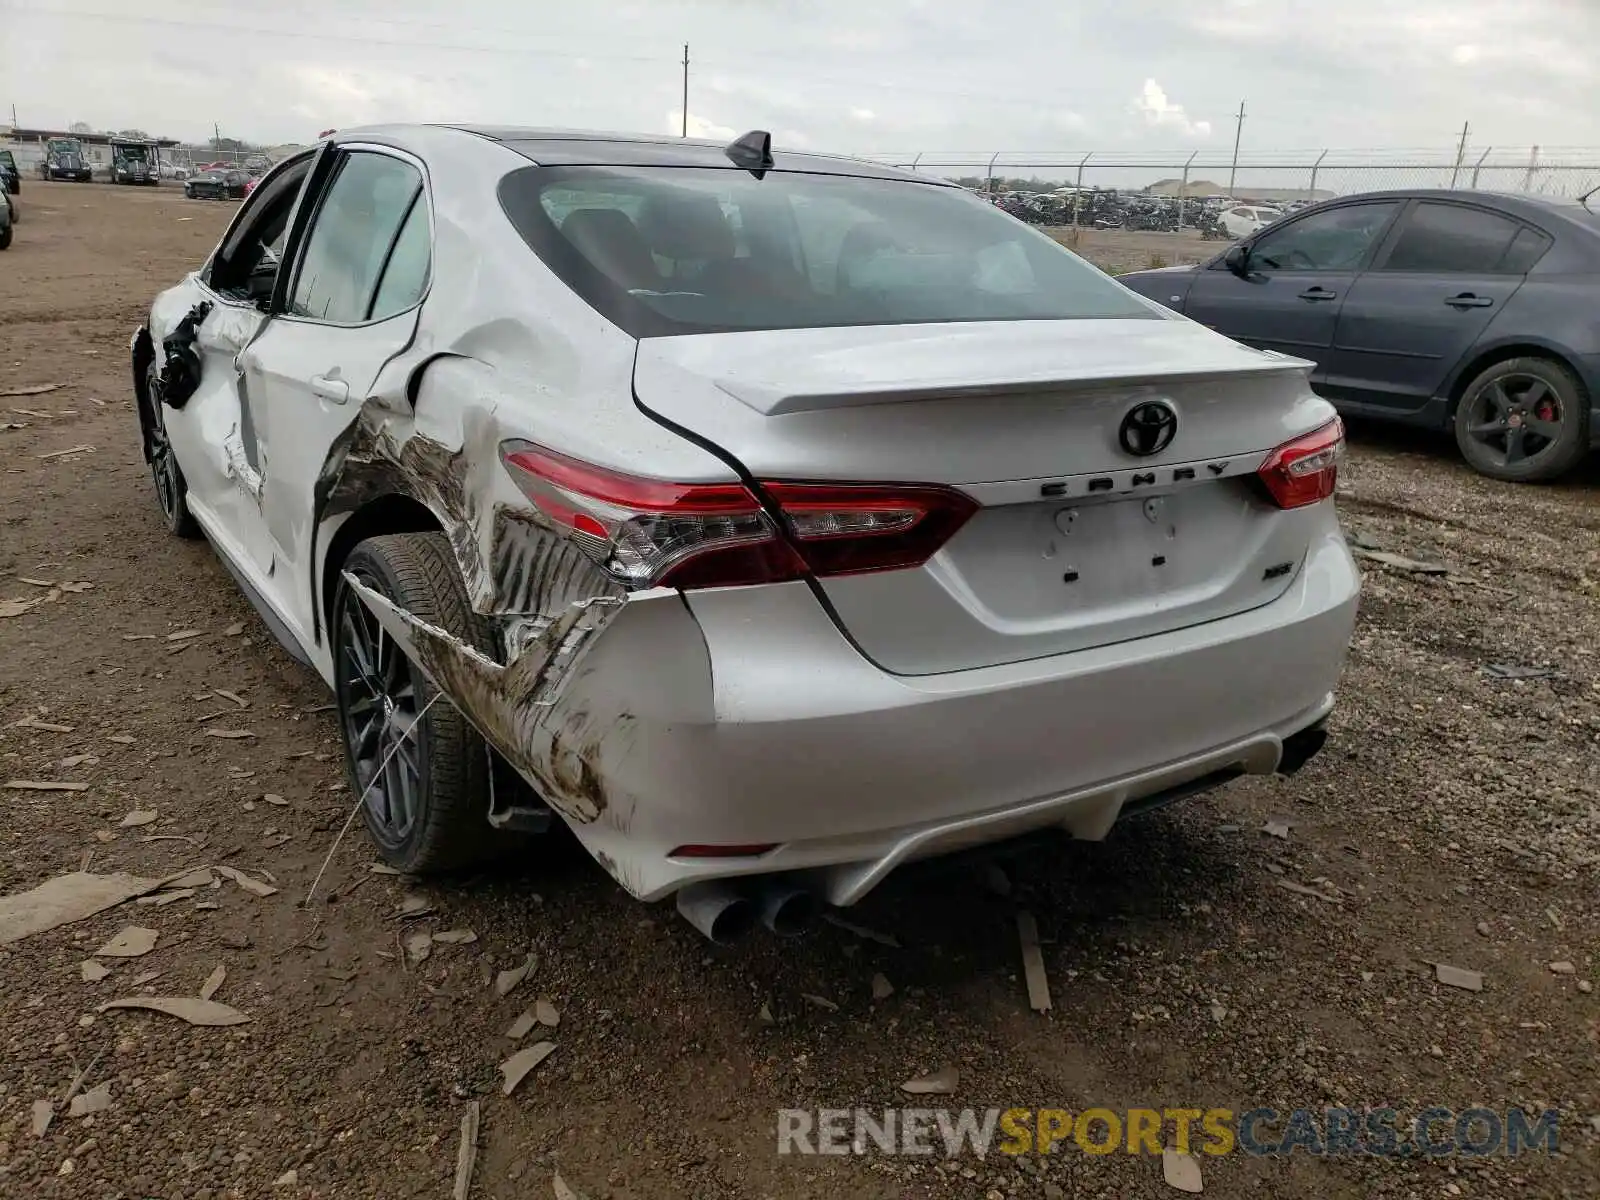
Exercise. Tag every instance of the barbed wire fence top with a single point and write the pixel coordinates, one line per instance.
(1315, 174)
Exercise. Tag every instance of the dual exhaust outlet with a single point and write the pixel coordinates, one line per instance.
(727, 909)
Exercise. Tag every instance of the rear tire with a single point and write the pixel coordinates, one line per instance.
(1524, 420)
(429, 810)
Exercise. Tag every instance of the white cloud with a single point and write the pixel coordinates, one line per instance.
(1463, 55)
(1160, 111)
(699, 127)
(863, 115)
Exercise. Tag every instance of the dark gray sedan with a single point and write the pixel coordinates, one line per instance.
(1470, 311)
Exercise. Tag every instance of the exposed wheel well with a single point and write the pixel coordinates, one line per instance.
(1498, 355)
(144, 353)
(393, 513)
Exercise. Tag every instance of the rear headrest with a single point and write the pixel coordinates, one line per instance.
(684, 226)
(611, 241)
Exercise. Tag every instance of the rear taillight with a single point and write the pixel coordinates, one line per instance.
(1305, 470)
(649, 533)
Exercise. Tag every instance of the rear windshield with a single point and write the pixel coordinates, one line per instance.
(670, 250)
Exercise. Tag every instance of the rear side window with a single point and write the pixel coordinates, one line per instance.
(1527, 248)
(670, 250)
(351, 235)
(405, 277)
(1447, 238)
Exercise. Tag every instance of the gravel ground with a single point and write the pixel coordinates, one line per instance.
(1454, 818)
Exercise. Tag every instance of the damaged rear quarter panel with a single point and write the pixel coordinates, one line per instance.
(504, 351)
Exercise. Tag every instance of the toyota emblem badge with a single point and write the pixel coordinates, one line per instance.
(1148, 428)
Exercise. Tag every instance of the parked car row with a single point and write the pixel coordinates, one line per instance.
(1468, 312)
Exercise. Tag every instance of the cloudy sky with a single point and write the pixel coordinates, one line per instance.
(864, 76)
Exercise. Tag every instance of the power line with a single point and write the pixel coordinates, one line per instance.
(323, 35)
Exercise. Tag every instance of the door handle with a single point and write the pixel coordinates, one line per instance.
(336, 390)
(1318, 293)
(1468, 300)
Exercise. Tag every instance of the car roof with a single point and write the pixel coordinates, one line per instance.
(586, 147)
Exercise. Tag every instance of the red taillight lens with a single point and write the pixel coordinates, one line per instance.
(1305, 470)
(845, 529)
(649, 533)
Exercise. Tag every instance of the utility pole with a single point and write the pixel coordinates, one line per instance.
(1238, 132)
(1461, 153)
(13, 118)
(216, 140)
(685, 132)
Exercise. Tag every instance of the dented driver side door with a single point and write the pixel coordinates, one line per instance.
(350, 308)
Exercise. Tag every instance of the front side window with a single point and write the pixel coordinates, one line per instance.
(1446, 238)
(1336, 239)
(666, 250)
(351, 236)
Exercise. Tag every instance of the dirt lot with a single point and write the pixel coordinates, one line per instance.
(1455, 818)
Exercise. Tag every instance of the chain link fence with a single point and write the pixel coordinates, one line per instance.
(1127, 211)
(1267, 177)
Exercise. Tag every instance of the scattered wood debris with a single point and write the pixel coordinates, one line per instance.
(882, 989)
(186, 1008)
(231, 734)
(84, 449)
(1401, 563)
(1277, 829)
(382, 869)
(414, 906)
(546, 1013)
(121, 739)
(254, 886)
(232, 697)
(138, 817)
(46, 726)
(15, 608)
(162, 899)
(44, 1111)
(467, 1152)
(455, 937)
(1458, 977)
(133, 942)
(1033, 963)
(516, 1068)
(522, 1026)
(1514, 672)
(185, 634)
(1181, 1171)
(418, 947)
(274, 798)
(819, 1001)
(1301, 889)
(234, 630)
(506, 981)
(92, 971)
(37, 389)
(45, 785)
(564, 1190)
(213, 981)
(96, 1099)
(65, 899)
(942, 1082)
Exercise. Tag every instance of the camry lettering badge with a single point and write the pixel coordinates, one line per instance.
(1148, 428)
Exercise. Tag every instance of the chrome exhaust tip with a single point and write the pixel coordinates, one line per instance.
(787, 910)
(716, 909)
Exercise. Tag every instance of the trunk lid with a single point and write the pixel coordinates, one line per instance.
(1078, 542)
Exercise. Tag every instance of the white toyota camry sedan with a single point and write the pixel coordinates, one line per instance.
(770, 519)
